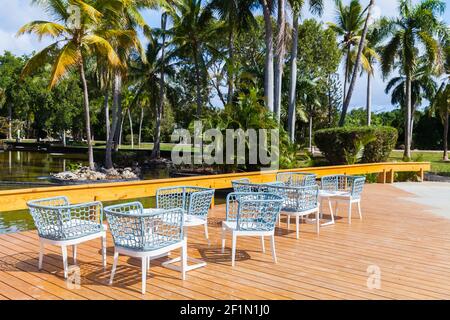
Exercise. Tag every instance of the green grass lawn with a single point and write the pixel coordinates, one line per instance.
(437, 164)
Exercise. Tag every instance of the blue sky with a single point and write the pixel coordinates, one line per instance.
(16, 13)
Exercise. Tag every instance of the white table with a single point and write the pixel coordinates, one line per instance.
(189, 221)
(329, 195)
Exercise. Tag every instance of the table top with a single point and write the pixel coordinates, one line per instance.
(328, 193)
(189, 220)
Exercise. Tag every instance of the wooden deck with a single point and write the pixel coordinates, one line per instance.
(411, 248)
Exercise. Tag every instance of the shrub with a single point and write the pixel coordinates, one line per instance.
(381, 147)
(349, 145)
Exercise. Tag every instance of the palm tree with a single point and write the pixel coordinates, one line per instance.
(441, 102)
(422, 87)
(268, 6)
(416, 25)
(368, 59)
(127, 19)
(359, 55)
(316, 7)
(350, 20)
(74, 42)
(193, 31)
(280, 53)
(238, 16)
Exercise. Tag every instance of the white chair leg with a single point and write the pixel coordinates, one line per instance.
(223, 239)
(148, 263)
(104, 251)
(263, 245)
(336, 208)
(233, 250)
(297, 226)
(318, 221)
(359, 210)
(74, 253)
(144, 274)
(349, 213)
(288, 218)
(64, 256)
(274, 254)
(184, 259)
(206, 232)
(279, 220)
(113, 271)
(330, 206)
(41, 254)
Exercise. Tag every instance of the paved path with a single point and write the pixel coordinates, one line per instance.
(435, 195)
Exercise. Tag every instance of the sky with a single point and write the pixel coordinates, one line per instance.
(16, 13)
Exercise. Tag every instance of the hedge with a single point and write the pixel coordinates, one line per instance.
(349, 145)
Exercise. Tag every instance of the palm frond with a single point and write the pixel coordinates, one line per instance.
(43, 28)
(68, 57)
(104, 48)
(38, 60)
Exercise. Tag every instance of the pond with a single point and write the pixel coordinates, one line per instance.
(25, 169)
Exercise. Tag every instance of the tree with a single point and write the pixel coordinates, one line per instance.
(422, 87)
(316, 7)
(193, 30)
(416, 25)
(361, 46)
(74, 41)
(238, 16)
(350, 20)
(268, 6)
(318, 58)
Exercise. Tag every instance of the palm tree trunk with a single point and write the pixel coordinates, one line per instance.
(369, 99)
(141, 121)
(115, 120)
(156, 152)
(106, 106)
(87, 116)
(198, 82)
(347, 72)
(231, 68)
(293, 80)
(119, 144)
(362, 42)
(407, 154)
(9, 121)
(279, 58)
(446, 125)
(310, 133)
(268, 67)
(118, 98)
(131, 128)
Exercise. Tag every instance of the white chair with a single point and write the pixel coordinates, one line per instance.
(61, 224)
(146, 236)
(251, 214)
(344, 189)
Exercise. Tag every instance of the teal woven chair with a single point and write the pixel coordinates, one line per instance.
(343, 189)
(62, 224)
(146, 235)
(298, 202)
(251, 214)
(297, 179)
(194, 201)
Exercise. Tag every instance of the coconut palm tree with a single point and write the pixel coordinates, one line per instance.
(359, 55)
(315, 7)
(280, 53)
(76, 38)
(349, 23)
(416, 25)
(422, 87)
(193, 31)
(238, 16)
(267, 7)
(125, 16)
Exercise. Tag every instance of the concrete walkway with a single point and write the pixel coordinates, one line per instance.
(433, 194)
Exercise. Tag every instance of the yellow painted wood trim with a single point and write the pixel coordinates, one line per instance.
(16, 199)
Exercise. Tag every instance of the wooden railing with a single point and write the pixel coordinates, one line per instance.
(11, 200)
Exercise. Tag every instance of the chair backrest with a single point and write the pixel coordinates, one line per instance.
(297, 179)
(244, 185)
(351, 184)
(253, 211)
(131, 228)
(56, 219)
(297, 199)
(193, 200)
